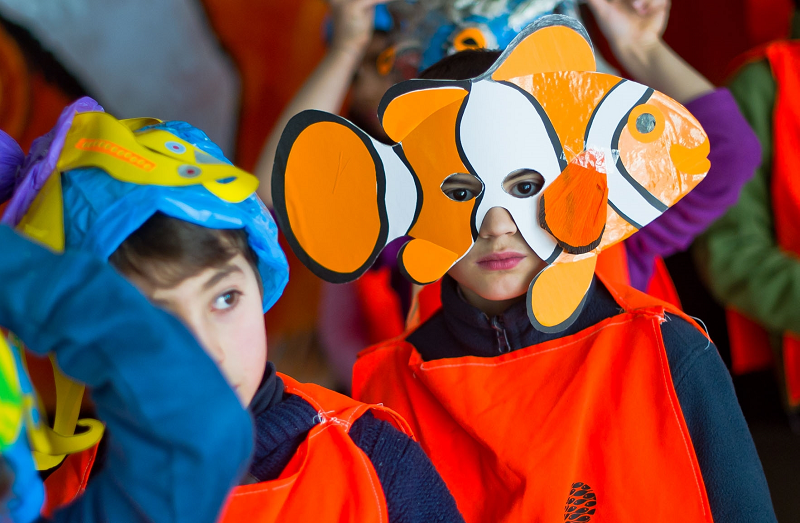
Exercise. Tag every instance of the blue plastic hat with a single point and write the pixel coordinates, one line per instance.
(100, 212)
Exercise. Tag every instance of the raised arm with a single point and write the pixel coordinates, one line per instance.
(326, 88)
(178, 438)
(634, 30)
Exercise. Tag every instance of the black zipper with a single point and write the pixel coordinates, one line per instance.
(500, 333)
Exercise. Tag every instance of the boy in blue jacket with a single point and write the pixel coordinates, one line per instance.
(164, 206)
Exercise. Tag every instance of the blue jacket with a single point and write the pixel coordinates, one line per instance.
(147, 375)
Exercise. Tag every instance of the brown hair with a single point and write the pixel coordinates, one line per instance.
(463, 65)
(165, 250)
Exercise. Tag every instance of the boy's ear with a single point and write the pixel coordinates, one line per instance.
(553, 43)
(409, 103)
(336, 192)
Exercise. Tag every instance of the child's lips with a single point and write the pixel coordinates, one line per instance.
(501, 261)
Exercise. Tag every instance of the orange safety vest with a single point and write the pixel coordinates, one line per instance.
(750, 343)
(329, 479)
(583, 428)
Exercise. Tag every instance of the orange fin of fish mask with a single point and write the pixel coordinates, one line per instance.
(557, 294)
(340, 195)
(574, 207)
(424, 262)
(562, 46)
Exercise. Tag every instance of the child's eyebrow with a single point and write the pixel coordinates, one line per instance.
(520, 173)
(221, 274)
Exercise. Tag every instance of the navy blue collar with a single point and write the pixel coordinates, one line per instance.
(460, 329)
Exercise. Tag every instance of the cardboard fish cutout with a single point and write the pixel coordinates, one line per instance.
(613, 155)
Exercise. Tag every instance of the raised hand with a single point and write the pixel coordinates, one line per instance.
(353, 22)
(631, 23)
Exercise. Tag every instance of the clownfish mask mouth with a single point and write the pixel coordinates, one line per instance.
(612, 155)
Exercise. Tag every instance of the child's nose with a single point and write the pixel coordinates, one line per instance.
(497, 222)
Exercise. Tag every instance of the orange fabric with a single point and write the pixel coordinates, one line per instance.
(784, 58)
(511, 435)
(329, 479)
(425, 301)
(661, 285)
(380, 305)
(750, 345)
(612, 265)
(68, 481)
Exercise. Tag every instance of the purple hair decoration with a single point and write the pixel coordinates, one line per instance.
(11, 158)
(27, 181)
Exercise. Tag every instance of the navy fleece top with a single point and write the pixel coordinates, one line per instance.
(735, 482)
(414, 491)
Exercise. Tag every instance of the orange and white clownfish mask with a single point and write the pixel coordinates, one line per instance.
(613, 154)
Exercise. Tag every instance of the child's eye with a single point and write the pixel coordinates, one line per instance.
(525, 189)
(460, 195)
(523, 183)
(226, 301)
(462, 187)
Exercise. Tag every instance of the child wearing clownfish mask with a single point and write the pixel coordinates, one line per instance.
(587, 401)
(482, 327)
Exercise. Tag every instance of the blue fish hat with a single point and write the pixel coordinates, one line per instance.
(91, 182)
(113, 175)
(456, 25)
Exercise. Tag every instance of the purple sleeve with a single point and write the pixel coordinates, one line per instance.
(735, 155)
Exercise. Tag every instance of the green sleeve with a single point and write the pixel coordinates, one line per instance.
(738, 256)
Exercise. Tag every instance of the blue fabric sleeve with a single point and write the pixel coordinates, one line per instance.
(178, 438)
(414, 490)
(732, 473)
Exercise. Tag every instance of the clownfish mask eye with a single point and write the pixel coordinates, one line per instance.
(646, 123)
